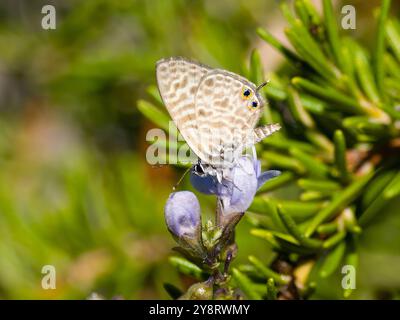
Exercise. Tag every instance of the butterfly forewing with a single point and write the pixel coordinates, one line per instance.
(178, 80)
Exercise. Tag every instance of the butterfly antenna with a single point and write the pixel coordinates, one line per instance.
(262, 85)
(181, 178)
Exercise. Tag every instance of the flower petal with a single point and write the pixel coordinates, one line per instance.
(265, 176)
(206, 184)
(242, 188)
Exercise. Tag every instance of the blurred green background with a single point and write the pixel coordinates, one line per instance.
(75, 189)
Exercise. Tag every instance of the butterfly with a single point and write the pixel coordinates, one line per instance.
(216, 112)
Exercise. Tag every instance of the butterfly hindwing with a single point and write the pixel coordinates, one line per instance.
(225, 118)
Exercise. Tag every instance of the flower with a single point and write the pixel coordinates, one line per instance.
(235, 194)
(236, 191)
(182, 214)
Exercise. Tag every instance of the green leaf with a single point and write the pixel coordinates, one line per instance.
(338, 203)
(256, 72)
(268, 236)
(393, 37)
(282, 242)
(332, 260)
(272, 291)
(155, 94)
(296, 233)
(378, 203)
(315, 18)
(348, 64)
(275, 93)
(154, 114)
(298, 111)
(367, 126)
(314, 195)
(365, 75)
(259, 220)
(276, 236)
(305, 45)
(302, 13)
(327, 228)
(392, 66)
(290, 245)
(266, 36)
(313, 59)
(314, 167)
(186, 267)
(282, 161)
(283, 143)
(252, 272)
(313, 104)
(299, 210)
(333, 240)
(245, 285)
(287, 13)
(340, 156)
(332, 30)
(393, 189)
(318, 185)
(375, 187)
(345, 103)
(310, 103)
(266, 206)
(321, 141)
(379, 48)
(267, 272)
(173, 291)
(393, 89)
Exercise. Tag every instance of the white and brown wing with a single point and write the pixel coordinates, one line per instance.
(178, 80)
(225, 116)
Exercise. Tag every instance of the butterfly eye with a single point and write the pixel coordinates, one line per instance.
(254, 104)
(246, 94)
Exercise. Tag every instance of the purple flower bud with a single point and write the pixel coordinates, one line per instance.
(182, 214)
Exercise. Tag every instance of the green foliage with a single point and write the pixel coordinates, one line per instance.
(87, 219)
(339, 148)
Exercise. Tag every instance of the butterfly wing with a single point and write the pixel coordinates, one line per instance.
(225, 117)
(178, 80)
